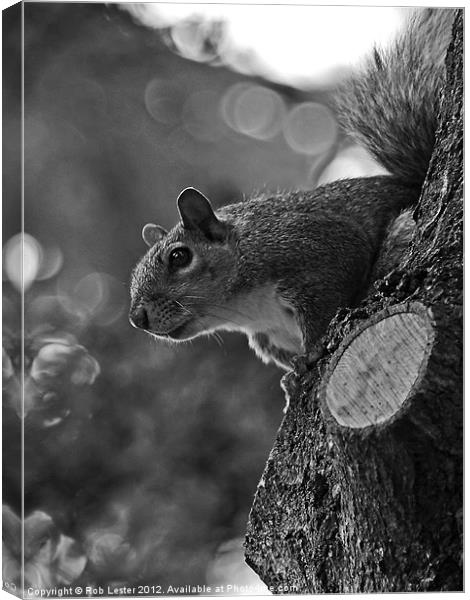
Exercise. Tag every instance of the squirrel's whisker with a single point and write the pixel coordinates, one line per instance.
(217, 338)
(183, 307)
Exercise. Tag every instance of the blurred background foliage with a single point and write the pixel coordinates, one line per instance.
(140, 460)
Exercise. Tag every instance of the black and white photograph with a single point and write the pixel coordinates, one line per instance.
(232, 299)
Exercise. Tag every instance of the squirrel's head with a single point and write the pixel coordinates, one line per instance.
(179, 287)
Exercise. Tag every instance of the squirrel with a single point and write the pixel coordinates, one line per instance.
(278, 267)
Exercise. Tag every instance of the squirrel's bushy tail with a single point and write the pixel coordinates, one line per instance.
(391, 106)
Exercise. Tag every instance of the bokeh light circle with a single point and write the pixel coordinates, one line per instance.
(22, 259)
(100, 296)
(310, 128)
(163, 100)
(253, 110)
(52, 262)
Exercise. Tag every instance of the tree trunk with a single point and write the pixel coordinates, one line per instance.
(363, 490)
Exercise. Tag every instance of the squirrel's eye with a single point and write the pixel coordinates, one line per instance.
(179, 258)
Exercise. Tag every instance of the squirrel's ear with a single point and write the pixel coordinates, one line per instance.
(152, 233)
(197, 214)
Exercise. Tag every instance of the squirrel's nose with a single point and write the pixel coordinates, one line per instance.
(139, 318)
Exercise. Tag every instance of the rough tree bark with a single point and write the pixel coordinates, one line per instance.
(363, 488)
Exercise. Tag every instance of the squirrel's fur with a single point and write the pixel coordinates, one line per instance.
(391, 106)
(278, 267)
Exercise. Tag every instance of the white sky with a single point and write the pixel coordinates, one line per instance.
(293, 44)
